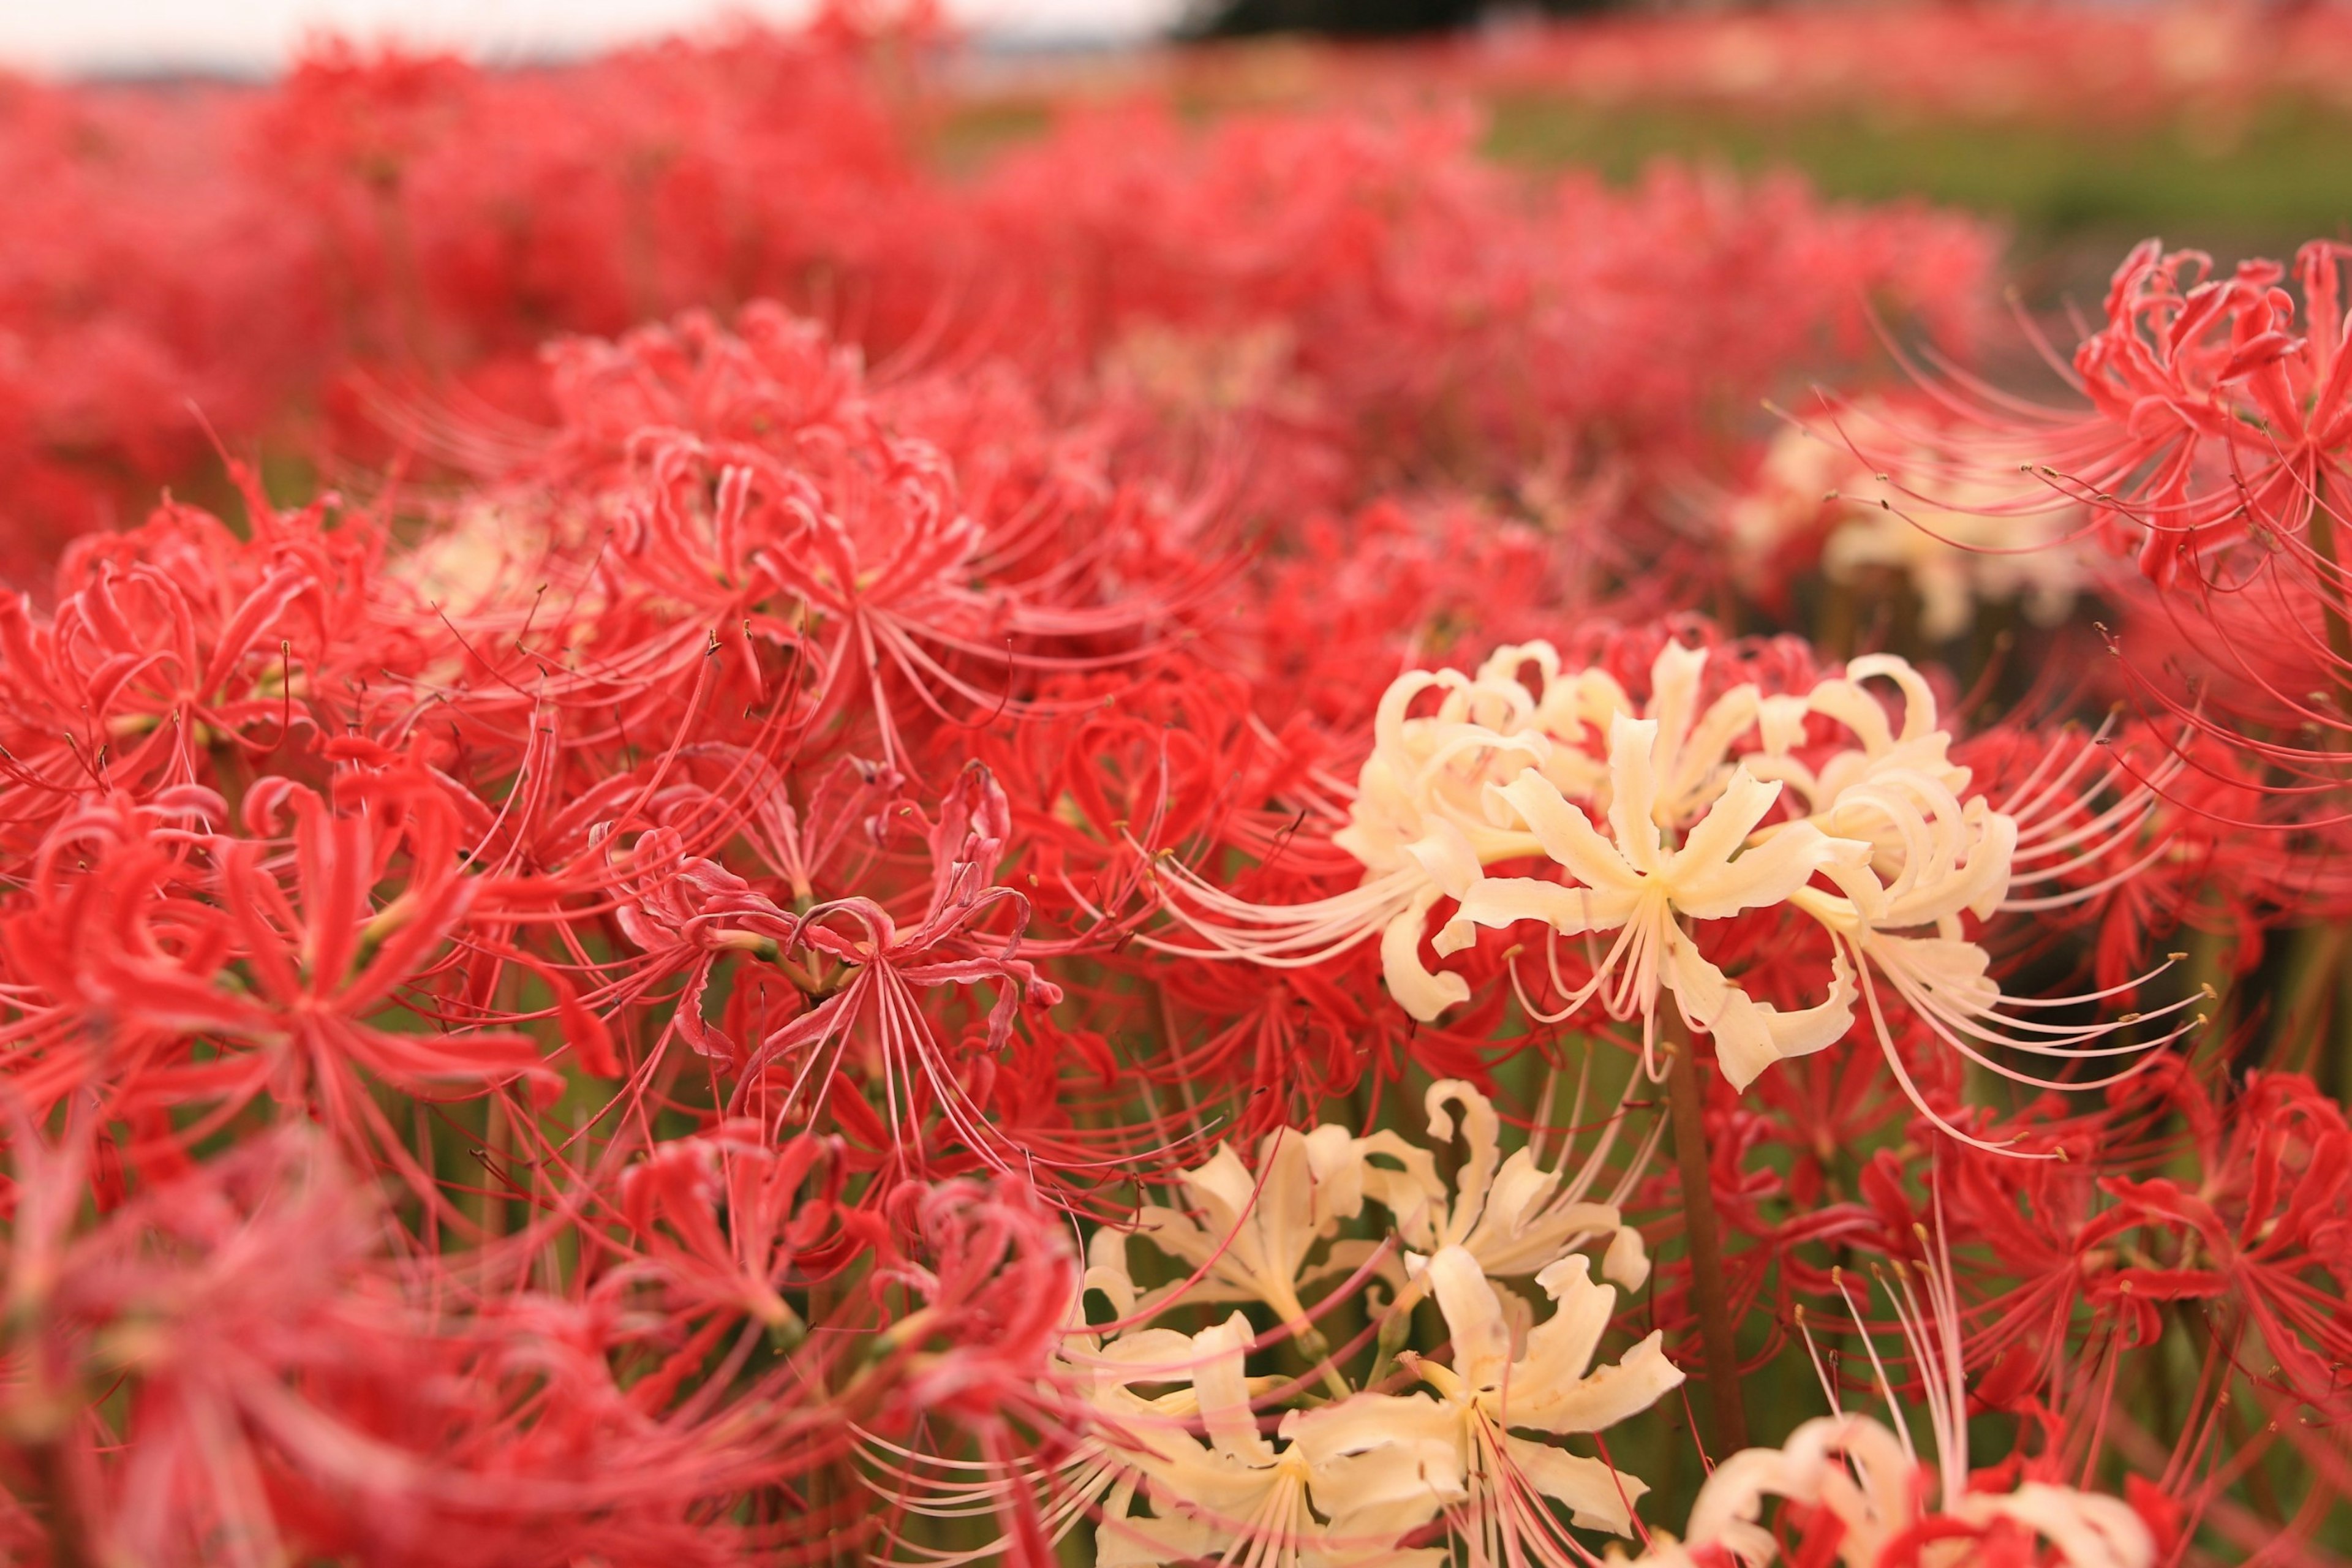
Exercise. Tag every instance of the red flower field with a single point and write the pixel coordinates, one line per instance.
(744, 821)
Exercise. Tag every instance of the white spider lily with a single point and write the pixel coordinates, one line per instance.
(1254, 1233)
(1514, 1217)
(1643, 890)
(1477, 1406)
(1168, 1452)
(1963, 548)
(1420, 825)
(1697, 813)
(1235, 1495)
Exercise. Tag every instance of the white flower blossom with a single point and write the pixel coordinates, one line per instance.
(1184, 1455)
(1640, 828)
(1971, 545)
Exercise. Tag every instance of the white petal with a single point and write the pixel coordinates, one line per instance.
(1223, 1389)
(1750, 1035)
(1718, 836)
(1627, 1262)
(1608, 1396)
(1919, 701)
(1474, 1316)
(1419, 991)
(1560, 1349)
(1566, 835)
(1633, 791)
(1447, 857)
(1598, 1497)
(1497, 903)
(1761, 876)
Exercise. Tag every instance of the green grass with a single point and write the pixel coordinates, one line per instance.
(2259, 186)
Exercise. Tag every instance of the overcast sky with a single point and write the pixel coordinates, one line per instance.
(79, 37)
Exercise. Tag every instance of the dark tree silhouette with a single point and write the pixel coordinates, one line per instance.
(1355, 18)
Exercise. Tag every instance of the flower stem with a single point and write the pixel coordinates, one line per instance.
(1703, 1237)
(2330, 581)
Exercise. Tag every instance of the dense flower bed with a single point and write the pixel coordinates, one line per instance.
(1236, 842)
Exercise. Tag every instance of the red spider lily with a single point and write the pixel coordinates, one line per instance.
(2210, 418)
(112, 952)
(135, 950)
(690, 913)
(736, 1208)
(279, 1388)
(589, 1005)
(995, 1280)
(868, 1013)
(825, 522)
(134, 680)
(323, 956)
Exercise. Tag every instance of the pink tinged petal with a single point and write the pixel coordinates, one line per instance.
(2089, 1531)
(1633, 791)
(1419, 991)
(1732, 1499)
(1598, 1497)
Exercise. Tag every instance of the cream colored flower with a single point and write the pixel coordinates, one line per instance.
(1420, 825)
(1232, 1494)
(1972, 544)
(1254, 1233)
(1870, 1480)
(1514, 1217)
(1859, 1471)
(1479, 1405)
(1643, 888)
(1645, 828)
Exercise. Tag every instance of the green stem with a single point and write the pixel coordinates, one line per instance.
(1703, 1237)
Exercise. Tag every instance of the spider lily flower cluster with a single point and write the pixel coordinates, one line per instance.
(807, 919)
(1658, 820)
(1181, 1467)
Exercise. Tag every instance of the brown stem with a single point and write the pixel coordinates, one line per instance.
(68, 1532)
(1703, 1237)
(2331, 585)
